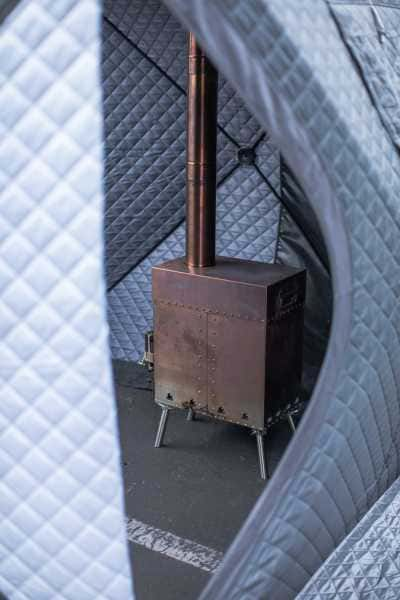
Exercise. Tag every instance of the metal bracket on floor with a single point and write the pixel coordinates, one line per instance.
(165, 409)
(162, 425)
(264, 471)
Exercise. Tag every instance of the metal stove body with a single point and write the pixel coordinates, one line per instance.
(228, 338)
(227, 332)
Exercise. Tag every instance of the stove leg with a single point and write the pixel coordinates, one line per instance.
(261, 455)
(291, 423)
(162, 426)
(190, 415)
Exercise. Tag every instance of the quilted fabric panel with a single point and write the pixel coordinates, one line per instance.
(61, 503)
(247, 225)
(144, 129)
(155, 31)
(307, 93)
(372, 35)
(366, 564)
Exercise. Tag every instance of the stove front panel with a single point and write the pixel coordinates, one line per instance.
(210, 345)
(180, 350)
(236, 369)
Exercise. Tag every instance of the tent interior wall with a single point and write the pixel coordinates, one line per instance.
(93, 109)
(262, 213)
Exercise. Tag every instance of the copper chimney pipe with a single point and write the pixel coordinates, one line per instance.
(201, 157)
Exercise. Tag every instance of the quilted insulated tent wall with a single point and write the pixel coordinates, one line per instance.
(323, 77)
(261, 211)
(62, 529)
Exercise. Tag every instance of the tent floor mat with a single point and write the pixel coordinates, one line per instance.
(200, 486)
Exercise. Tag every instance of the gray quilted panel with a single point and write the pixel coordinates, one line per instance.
(307, 92)
(372, 35)
(62, 531)
(247, 224)
(234, 117)
(366, 565)
(145, 146)
(154, 30)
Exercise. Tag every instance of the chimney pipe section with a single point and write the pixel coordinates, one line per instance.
(201, 176)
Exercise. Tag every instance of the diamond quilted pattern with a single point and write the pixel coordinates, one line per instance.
(307, 92)
(372, 33)
(152, 137)
(268, 162)
(235, 118)
(154, 30)
(366, 564)
(247, 226)
(61, 527)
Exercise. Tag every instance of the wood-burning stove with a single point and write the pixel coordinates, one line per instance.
(227, 332)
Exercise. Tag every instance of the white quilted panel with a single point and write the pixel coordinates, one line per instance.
(61, 509)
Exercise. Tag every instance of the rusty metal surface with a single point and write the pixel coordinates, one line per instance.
(236, 370)
(228, 339)
(180, 347)
(201, 164)
(285, 322)
(235, 288)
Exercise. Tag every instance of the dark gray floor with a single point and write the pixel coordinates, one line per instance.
(201, 485)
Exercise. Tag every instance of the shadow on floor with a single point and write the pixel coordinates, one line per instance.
(200, 486)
